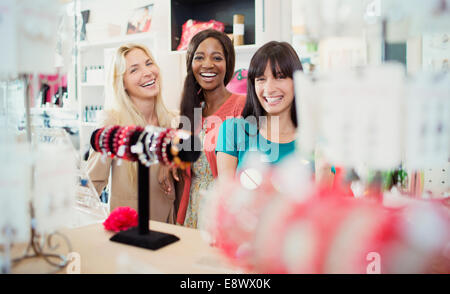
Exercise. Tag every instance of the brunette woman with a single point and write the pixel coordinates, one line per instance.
(269, 123)
(205, 104)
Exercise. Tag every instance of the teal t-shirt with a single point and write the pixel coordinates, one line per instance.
(239, 138)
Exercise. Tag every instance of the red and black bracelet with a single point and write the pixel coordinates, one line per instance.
(128, 133)
(97, 140)
(115, 140)
(151, 145)
(123, 142)
(107, 140)
(158, 146)
(104, 144)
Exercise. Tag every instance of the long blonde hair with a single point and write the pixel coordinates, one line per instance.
(121, 110)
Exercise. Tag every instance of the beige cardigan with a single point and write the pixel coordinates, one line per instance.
(162, 207)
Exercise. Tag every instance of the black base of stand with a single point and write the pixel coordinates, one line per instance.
(152, 240)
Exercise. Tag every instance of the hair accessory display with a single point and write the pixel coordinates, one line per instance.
(148, 146)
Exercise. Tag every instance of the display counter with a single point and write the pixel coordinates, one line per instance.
(98, 255)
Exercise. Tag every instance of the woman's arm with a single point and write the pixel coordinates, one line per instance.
(226, 165)
(166, 175)
(226, 149)
(97, 168)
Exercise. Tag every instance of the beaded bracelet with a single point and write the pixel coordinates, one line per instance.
(106, 142)
(152, 148)
(138, 149)
(126, 143)
(166, 141)
(116, 140)
(158, 147)
(102, 140)
(120, 147)
(123, 142)
(176, 140)
(130, 134)
(148, 142)
(111, 138)
(137, 129)
(97, 139)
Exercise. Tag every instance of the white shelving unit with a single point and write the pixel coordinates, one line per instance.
(115, 41)
(91, 84)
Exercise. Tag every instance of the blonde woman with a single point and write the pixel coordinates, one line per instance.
(133, 97)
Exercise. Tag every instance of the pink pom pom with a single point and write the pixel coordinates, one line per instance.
(121, 219)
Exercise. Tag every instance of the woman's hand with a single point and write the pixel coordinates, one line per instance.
(163, 178)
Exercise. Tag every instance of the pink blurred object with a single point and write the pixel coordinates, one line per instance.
(121, 219)
(192, 27)
(238, 83)
(262, 230)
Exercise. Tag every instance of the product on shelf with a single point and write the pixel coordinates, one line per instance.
(192, 27)
(91, 113)
(238, 29)
(94, 74)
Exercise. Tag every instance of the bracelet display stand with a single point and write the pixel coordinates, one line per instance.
(131, 140)
(142, 236)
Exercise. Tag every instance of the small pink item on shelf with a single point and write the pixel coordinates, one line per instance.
(238, 83)
(192, 27)
(121, 219)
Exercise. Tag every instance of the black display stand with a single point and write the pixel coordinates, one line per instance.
(142, 236)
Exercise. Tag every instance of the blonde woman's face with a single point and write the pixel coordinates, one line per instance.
(141, 78)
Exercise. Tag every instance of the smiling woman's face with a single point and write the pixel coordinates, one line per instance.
(141, 78)
(275, 93)
(209, 64)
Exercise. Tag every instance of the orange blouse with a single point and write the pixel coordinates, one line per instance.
(231, 108)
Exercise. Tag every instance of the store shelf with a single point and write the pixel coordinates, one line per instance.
(55, 111)
(219, 10)
(92, 85)
(114, 41)
(244, 49)
(89, 124)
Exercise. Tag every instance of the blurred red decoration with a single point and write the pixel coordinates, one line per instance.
(192, 27)
(327, 230)
(238, 83)
(121, 219)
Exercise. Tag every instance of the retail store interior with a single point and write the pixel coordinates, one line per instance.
(372, 104)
